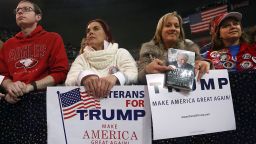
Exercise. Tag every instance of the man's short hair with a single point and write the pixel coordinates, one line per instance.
(37, 9)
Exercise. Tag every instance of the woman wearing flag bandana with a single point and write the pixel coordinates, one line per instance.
(231, 48)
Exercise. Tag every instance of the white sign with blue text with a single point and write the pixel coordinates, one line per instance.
(75, 117)
(208, 108)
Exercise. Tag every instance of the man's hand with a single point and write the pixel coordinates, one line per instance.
(2, 96)
(15, 89)
(29, 88)
(11, 99)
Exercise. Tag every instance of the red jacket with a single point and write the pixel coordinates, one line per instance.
(245, 59)
(34, 57)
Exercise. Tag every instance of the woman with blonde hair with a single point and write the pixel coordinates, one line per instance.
(169, 34)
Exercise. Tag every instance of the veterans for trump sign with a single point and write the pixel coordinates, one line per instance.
(75, 117)
(207, 108)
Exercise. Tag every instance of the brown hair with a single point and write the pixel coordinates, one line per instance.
(36, 7)
(218, 43)
(82, 44)
(105, 28)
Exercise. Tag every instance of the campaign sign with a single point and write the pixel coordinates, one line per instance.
(75, 117)
(207, 108)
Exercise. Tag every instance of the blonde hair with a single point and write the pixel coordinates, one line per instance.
(82, 44)
(158, 34)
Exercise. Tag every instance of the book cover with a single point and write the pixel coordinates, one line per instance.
(183, 63)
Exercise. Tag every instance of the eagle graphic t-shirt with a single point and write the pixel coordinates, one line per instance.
(33, 57)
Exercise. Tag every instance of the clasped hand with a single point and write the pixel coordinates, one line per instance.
(99, 87)
(15, 90)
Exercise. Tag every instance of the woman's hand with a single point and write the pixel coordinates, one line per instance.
(106, 84)
(156, 66)
(201, 67)
(91, 84)
(99, 87)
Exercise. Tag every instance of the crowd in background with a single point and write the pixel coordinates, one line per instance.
(73, 49)
(34, 59)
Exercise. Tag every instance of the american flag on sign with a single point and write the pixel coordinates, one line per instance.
(200, 21)
(74, 99)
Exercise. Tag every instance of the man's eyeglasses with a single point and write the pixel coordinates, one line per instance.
(23, 9)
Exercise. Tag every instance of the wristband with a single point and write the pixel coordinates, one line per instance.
(34, 85)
